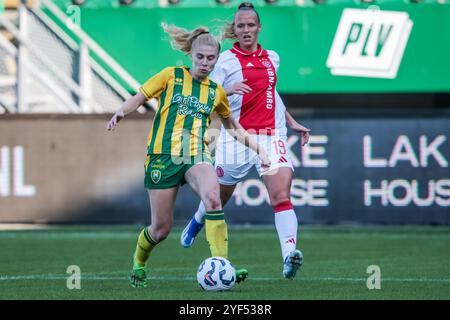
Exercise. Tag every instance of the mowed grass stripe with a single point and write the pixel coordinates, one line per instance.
(92, 277)
(235, 233)
(413, 263)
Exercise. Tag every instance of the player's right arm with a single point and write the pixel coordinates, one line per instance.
(152, 88)
(239, 87)
(221, 73)
(236, 130)
(130, 105)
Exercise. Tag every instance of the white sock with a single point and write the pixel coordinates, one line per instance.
(286, 223)
(199, 215)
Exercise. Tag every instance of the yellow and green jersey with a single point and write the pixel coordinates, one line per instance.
(184, 111)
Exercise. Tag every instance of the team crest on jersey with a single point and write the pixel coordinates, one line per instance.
(212, 93)
(266, 63)
(155, 175)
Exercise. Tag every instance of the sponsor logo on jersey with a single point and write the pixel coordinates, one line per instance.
(270, 99)
(369, 43)
(249, 64)
(191, 106)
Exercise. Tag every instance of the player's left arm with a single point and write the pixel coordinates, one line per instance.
(238, 132)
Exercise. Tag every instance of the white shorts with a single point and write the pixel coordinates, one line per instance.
(233, 160)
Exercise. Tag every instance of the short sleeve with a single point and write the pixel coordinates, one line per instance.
(222, 106)
(275, 58)
(219, 72)
(153, 87)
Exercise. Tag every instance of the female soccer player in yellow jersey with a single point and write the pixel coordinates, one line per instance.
(177, 152)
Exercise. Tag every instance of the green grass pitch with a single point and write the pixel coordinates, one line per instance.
(414, 264)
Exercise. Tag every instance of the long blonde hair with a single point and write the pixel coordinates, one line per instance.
(186, 41)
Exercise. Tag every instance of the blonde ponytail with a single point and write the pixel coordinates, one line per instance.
(228, 31)
(185, 40)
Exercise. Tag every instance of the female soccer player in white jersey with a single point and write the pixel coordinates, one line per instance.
(248, 74)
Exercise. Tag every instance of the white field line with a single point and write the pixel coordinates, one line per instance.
(22, 226)
(92, 277)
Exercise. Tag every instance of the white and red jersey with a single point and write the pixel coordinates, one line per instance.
(261, 111)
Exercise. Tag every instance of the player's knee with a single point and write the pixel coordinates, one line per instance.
(212, 200)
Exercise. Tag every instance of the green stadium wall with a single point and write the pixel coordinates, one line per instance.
(302, 36)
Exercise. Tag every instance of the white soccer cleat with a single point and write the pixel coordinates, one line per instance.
(292, 263)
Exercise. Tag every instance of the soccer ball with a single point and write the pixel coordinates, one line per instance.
(216, 274)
